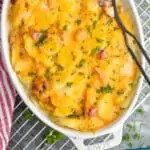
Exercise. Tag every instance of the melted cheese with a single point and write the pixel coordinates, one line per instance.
(71, 56)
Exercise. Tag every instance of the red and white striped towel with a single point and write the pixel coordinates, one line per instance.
(7, 100)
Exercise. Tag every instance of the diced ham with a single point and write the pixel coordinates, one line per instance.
(107, 5)
(36, 89)
(92, 111)
(36, 35)
(39, 86)
(80, 35)
(45, 84)
(61, 34)
(104, 3)
(110, 11)
(103, 54)
(46, 99)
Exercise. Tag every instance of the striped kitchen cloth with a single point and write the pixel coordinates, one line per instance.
(7, 100)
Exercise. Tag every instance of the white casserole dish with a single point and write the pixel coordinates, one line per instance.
(115, 128)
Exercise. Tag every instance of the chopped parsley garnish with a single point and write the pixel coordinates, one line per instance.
(59, 67)
(105, 89)
(81, 74)
(53, 136)
(58, 80)
(69, 84)
(113, 79)
(82, 47)
(73, 73)
(74, 116)
(27, 115)
(82, 62)
(42, 123)
(53, 58)
(88, 85)
(126, 137)
(78, 22)
(88, 28)
(95, 50)
(99, 40)
(108, 43)
(132, 85)
(109, 22)
(108, 61)
(94, 24)
(47, 74)
(140, 111)
(121, 92)
(129, 126)
(114, 71)
(41, 39)
(89, 77)
(30, 73)
(65, 27)
(73, 56)
(136, 136)
(130, 145)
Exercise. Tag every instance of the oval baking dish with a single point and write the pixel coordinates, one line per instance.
(111, 128)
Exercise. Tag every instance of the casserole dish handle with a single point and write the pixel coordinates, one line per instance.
(116, 140)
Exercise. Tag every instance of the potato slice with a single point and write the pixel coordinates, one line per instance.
(62, 111)
(35, 53)
(90, 98)
(15, 53)
(73, 123)
(18, 13)
(105, 107)
(92, 5)
(127, 69)
(68, 5)
(62, 101)
(24, 65)
(95, 123)
(65, 56)
(52, 4)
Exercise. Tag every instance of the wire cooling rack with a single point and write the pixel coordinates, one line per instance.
(28, 134)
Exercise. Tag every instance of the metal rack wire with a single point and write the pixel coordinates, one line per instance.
(28, 134)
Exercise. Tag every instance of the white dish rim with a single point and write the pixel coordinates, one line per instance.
(35, 110)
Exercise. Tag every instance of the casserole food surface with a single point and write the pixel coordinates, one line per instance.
(71, 57)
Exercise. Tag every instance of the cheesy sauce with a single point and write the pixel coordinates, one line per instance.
(71, 57)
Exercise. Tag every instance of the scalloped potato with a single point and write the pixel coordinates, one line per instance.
(71, 57)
